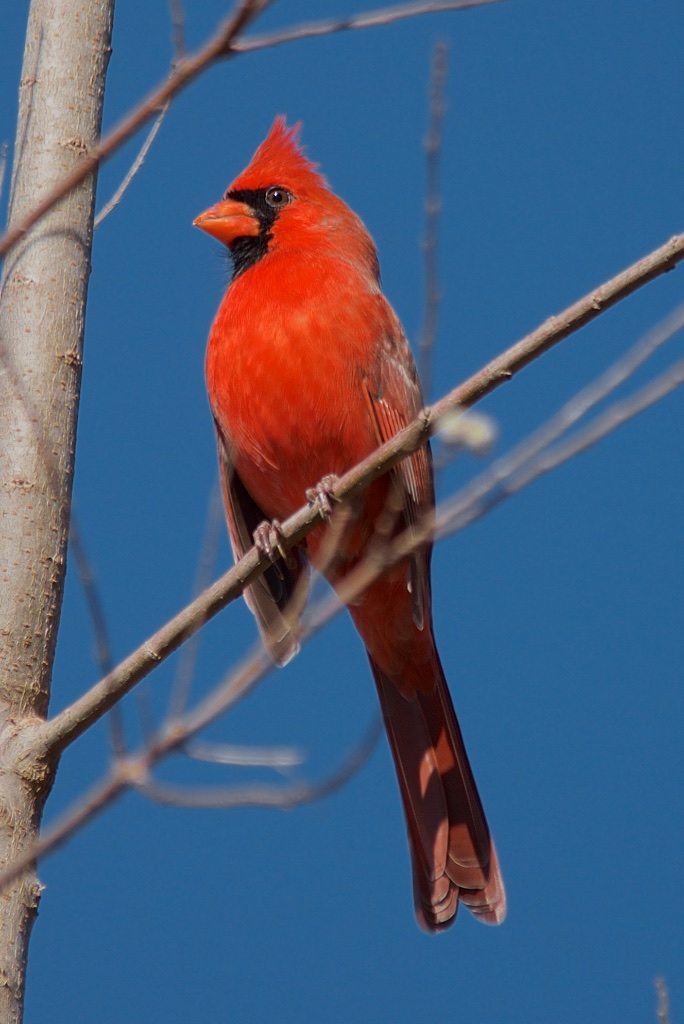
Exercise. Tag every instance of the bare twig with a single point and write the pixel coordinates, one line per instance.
(91, 592)
(484, 486)
(558, 327)
(663, 1008)
(134, 168)
(466, 508)
(180, 689)
(103, 651)
(177, 29)
(608, 382)
(283, 797)
(433, 211)
(278, 758)
(614, 417)
(62, 730)
(373, 19)
(221, 46)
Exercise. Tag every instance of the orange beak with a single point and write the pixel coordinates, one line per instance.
(228, 220)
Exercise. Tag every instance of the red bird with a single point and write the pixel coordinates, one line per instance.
(308, 371)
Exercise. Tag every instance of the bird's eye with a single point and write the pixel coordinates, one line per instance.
(277, 197)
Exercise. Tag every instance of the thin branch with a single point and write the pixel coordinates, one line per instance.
(84, 569)
(134, 771)
(614, 417)
(103, 651)
(62, 730)
(663, 1008)
(608, 382)
(221, 46)
(561, 326)
(433, 212)
(283, 797)
(177, 29)
(537, 455)
(461, 511)
(485, 485)
(134, 168)
(180, 688)
(237, 683)
(373, 19)
(278, 758)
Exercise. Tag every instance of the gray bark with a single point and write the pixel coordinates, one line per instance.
(42, 313)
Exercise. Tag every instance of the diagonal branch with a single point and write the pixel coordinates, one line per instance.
(372, 19)
(496, 485)
(70, 723)
(206, 570)
(114, 201)
(521, 460)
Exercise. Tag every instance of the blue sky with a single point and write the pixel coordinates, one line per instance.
(559, 616)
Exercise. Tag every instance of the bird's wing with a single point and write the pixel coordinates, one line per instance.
(394, 400)
(278, 596)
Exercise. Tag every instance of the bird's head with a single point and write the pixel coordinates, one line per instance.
(281, 203)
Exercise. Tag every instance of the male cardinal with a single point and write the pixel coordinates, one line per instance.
(308, 371)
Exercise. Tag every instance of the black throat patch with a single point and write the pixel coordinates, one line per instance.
(247, 251)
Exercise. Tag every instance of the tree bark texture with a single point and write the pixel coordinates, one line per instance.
(42, 314)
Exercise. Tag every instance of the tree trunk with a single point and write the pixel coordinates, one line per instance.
(42, 314)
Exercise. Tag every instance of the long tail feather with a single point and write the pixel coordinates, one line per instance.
(452, 852)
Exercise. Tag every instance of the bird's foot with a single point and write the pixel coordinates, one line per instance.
(322, 495)
(268, 537)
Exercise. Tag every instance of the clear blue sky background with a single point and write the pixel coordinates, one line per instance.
(559, 616)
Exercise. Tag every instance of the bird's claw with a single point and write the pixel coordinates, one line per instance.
(268, 537)
(323, 496)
